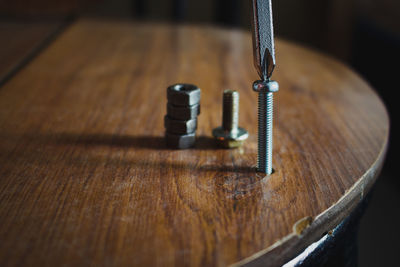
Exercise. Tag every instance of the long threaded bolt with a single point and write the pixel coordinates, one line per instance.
(265, 91)
(229, 135)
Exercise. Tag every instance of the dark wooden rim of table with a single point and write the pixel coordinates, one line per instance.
(314, 230)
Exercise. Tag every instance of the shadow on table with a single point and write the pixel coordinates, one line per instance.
(48, 149)
(127, 141)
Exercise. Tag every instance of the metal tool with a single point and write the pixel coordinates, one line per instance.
(264, 61)
(230, 135)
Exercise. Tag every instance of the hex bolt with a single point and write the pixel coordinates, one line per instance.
(230, 135)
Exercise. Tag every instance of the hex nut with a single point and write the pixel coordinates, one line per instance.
(180, 141)
(183, 94)
(179, 126)
(183, 113)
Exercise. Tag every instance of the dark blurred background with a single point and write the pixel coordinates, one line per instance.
(363, 33)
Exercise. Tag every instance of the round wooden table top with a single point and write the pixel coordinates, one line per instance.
(86, 178)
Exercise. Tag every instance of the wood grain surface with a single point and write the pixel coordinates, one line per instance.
(86, 178)
(20, 41)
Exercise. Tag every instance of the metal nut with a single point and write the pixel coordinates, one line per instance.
(183, 94)
(180, 127)
(183, 113)
(180, 141)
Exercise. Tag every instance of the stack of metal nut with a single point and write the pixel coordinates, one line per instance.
(181, 120)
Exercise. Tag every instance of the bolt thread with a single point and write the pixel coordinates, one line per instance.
(265, 125)
(230, 111)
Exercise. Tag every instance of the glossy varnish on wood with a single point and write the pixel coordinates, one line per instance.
(86, 178)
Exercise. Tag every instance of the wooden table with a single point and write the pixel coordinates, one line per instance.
(20, 41)
(86, 178)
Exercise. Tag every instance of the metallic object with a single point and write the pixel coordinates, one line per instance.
(183, 112)
(264, 61)
(180, 126)
(265, 91)
(180, 123)
(180, 141)
(230, 135)
(263, 38)
(183, 95)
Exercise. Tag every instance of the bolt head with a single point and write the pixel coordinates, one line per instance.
(266, 86)
(232, 139)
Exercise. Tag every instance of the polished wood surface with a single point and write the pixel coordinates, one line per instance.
(86, 178)
(20, 41)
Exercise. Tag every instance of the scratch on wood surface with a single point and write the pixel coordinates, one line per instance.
(302, 224)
